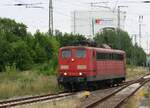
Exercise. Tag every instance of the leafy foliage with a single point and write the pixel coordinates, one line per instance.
(138, 56)
(21, 55)
(24, 49)
(69, 39)
(119, 39)
(11, 30)
(5, 54)
(21, 49)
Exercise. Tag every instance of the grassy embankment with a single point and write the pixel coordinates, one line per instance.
(14, 84)
(135, 101)
(135, 72)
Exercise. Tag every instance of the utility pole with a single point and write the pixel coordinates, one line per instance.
(148, 46)
(119, 27)
(140, 29)
(118, 31)
(74, 18)
(93, 28)
(50, 18)
(91, 6)
(118, 17)
(134, 39)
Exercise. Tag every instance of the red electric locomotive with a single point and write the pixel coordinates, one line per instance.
(82, 65)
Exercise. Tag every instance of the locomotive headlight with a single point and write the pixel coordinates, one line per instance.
(65, 73)
(72, 60)
(80, 73)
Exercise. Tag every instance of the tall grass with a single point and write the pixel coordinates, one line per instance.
(41, 79)
(50, 68)
(14, 84)
(135, 72)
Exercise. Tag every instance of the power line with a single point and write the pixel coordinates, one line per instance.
(65, 15)
(115, 5)
(129, 1)
(17, 1)
(73, 3)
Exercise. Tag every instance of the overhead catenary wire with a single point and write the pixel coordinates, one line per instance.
(66, 15)
(17, 1)
(72, 3)
(115, 5)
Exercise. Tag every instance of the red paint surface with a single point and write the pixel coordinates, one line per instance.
(99, 68)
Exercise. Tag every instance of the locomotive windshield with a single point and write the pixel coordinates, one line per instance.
(66, 53)
(80, 53)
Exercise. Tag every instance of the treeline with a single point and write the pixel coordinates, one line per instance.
(21, 49)
(119, 39)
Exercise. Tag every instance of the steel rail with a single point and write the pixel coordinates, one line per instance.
(141, 80)
(32, 99)
(126, 98)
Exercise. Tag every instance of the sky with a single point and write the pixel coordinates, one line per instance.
(38, 18)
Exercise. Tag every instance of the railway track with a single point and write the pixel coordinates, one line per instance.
(32, 99)
(115, 97)
(106, 99)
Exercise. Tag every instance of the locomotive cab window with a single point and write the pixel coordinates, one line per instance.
(80, 53)
(66, 53)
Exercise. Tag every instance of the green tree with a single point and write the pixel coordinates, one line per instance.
(21, 48)
(40, 56)
(138, 56)
(119, 39)
(5, 54)
(50, 44)
(21, 55)
(11, 27)
(69, 39)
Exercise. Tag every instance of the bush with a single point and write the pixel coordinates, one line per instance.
(49, 68)
(5, 54)
(21, 55)
(40, 54)
(119, 39)
(50, 44)
(69, 39)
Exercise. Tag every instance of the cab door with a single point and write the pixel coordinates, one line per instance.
(94, 63)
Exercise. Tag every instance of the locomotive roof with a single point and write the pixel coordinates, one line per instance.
(95, 48)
